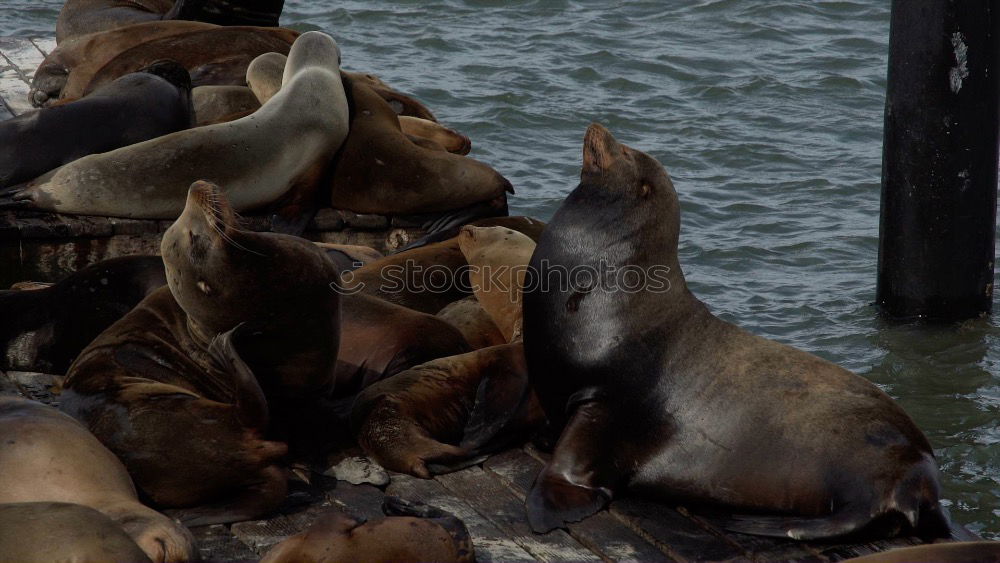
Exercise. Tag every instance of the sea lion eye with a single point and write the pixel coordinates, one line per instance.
(645, 190)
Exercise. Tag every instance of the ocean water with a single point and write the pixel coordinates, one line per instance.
(768, 116)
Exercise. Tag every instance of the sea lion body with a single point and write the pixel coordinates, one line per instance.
(657, 395)
(411, 533)
(49, 327)
(43, 532)
(379, 170)
(134, 108)
(92, 51)
(49, 457)
(433, 417)
(150, 179)
(81, 17)
(946, 552)
(475, 324)
(212, 103)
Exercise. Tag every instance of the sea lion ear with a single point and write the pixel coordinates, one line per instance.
(599, 149)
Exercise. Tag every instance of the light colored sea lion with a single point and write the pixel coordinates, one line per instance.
(49, 457)
(379, 170)
(412, 532)
(47, 328)
(136, 107)
(218, 55)
(949, 552)
(655, 394)
(475, 324)
(444, 414)
(448, 139)
(499, 260)
(211, 103)
(80, 17)
(305, 120)
(43, 532)
(92, 51)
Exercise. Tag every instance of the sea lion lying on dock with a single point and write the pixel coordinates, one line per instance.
(212, 103)
(284, 147)
(48, 457)
(136, 107)
(445, 414)
(411, 532)
(655, 394)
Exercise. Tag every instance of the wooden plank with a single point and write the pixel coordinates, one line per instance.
(841, 552)
(601, 533)
(761, 548)
(358, 501)
(496, 503)
(261, 535)
(217, 543)
(488, 541)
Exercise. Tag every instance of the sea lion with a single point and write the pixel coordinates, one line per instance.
(264, 13)
(499, 260)
(412, 532)
(47, 328)
(280, 149)
(136, 107)
(949, 552)
(444, 414)
(93, 51)
(447, 139)
(475, 324)
(655, 394)
(379, 170)
(218, 55)
(437, 233)
(43, 532)
(49, 457)
(264, 78)
(80, 17)
(212, 103)
(349, 257)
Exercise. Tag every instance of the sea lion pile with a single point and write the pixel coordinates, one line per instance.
(194, 380)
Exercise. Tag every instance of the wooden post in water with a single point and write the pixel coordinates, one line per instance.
(939, 160)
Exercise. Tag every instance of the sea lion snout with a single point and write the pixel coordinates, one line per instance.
(600, 149)
(209, 200)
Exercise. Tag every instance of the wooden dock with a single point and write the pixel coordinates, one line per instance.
(488, 497)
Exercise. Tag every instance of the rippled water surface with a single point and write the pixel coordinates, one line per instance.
(768, 115)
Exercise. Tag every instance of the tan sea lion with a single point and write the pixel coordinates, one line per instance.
(306, 120)
(379, 170)
(211, 103)
(655, 394)
(49, 457)
(412, 532)
(949, 552)
(217, 56)
(526, 225)
(444, 414)
(92, 51)
(450, 140)
(475, 324)
(43, 532)
(499, 260)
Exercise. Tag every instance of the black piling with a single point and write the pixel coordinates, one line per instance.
(939, 160)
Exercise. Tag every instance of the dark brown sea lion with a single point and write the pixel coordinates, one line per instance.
(305, 120)
(412, 532)
(49, 457)
(498, 259)
(212, 103)
(80, 17)
(94, 50)
(218, 55)
(379, 170)
(949, 552)
(444, 414)
(43, 532)
(655, 394)
(475, 324)
(47, 328)
(139, 106)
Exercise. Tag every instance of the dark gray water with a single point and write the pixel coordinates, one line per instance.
(768, 115)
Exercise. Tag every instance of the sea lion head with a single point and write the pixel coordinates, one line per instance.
(312, 48)
(222, 275)
(49, 80)
(171, 71)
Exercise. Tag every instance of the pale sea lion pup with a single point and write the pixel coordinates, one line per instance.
(656, 394)
(285, 144)
(49, 457)
(412, 532)
(499, 260)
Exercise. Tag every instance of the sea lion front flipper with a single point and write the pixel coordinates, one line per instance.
(500, 404)
(251, 404)
(578, 481)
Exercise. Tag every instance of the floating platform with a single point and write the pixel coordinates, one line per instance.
(488, 497)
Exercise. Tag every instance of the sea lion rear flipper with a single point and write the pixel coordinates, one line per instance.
(500, 404)
(578, 481)
(800, 528)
